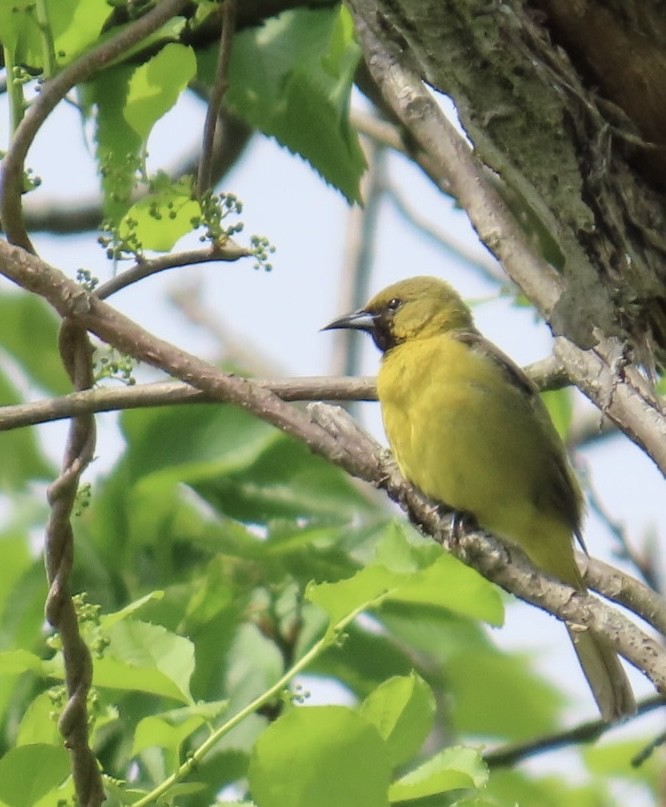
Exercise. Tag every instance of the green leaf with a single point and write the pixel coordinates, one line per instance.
(403, 710)
(345, 599)
(118, 144)
(19, 32)
(107, 620)
(448, 583)
(156, 731)
(450, 769)
(326, 756)
(292, 79)
(159, 219)
(146, 658)
(75, 25)
(30, 771)
(155, 86)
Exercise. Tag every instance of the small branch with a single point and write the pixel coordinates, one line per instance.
(107, 399)
(358, 260)
(624, 550)
(509, 755)
(230, 251)
(173, 393)
(624, 590)
(220, 84)
(484, 265)
(54, 91)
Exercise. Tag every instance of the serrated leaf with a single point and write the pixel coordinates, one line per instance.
(450, 769)
(327, 755)
(107, 620)
(342, 600)
(292, 79)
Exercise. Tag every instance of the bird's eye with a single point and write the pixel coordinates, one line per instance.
(394, 304)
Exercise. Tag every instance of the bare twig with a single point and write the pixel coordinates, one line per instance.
(358, 259)
(325, 432)
(624, 590)
(171, 393)
(54, 91)
(483, 264)
(509, 755)
(230, 251)
(317, 388)
(220, 84)
(618, 531)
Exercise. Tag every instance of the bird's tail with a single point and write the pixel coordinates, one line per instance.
(605, 674)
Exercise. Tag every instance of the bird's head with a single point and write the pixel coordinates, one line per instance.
(410, 309)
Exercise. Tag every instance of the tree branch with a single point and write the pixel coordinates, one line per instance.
(631, 405)
(205, 174)
(229, 251)
(52, 92)
(508, 755)
(338, 439)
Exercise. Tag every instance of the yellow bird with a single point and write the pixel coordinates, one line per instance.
(470, 430)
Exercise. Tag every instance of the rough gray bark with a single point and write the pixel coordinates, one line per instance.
(565, 157)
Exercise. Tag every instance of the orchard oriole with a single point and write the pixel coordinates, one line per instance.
(470, 430)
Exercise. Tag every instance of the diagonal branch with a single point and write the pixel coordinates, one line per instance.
(509, 755)
(324, 430)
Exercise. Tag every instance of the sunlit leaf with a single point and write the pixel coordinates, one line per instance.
(450, 769)
(328, 756)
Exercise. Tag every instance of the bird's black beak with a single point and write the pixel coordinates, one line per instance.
(360, 320)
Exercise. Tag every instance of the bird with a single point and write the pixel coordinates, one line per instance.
(469, 429)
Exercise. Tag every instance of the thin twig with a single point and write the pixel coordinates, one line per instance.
(483, 264)
(108, 399)
(230, 251)
(625, 549)
(220, 84)
(358, 258)
(624, 590)
(509, 755)
(52, 92)
(171, 393)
